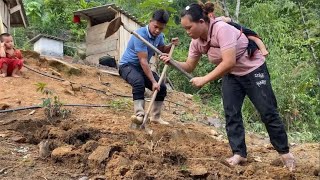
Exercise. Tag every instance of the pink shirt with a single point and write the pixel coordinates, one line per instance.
(224, 36)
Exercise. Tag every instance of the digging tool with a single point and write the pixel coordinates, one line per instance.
(115, 24)
(154, 95)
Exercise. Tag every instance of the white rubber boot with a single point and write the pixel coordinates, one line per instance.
(138, 116)
(156, 112)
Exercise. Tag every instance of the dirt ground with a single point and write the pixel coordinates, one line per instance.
(98, 143)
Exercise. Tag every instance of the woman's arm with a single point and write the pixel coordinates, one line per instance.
(189, 65)
(228, 62)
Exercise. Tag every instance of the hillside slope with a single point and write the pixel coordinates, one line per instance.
(98, 143)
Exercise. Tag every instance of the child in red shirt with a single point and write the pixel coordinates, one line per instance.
(10, 58)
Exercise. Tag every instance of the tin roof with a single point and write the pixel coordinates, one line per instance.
(36, 38)
(101, 14)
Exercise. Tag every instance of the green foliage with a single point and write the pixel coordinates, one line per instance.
(294, 71)
(120, 104)
(52, 105)
(292, 67)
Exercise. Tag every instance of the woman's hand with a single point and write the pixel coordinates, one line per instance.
(165, 58)
(198, 81)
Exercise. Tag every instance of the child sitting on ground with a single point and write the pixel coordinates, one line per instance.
(11, 60)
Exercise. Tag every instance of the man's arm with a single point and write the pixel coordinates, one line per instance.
(143, 59)
(166, 48)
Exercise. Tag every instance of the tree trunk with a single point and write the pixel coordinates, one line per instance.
(237, 11)
(225, 9)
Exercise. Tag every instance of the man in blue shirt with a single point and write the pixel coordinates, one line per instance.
(134, 66)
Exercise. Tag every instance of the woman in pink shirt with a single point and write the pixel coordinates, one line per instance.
(242, 76)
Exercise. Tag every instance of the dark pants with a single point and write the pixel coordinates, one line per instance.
(139, 81)
(258, 88)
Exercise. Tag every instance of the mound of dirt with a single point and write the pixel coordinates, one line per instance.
(98, 143)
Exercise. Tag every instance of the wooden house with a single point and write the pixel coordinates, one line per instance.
(98, 19)
(12, 15)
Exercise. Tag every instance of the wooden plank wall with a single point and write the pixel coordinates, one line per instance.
(5, 15)
(114, 45)
(124, 34)
(98, 46)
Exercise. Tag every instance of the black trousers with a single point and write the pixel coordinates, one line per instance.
(256, 85)
(139, 81)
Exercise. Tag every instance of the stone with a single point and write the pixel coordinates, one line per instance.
(60, 152)
(19, 139)
(100, 154)
(44, 149)
(198, 171)
(66, 83)
(90, 146)
(76, 87)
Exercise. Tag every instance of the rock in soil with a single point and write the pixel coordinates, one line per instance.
(60, 152)
(98, 156)
(19, 139)
(44, 149)
(198, 171)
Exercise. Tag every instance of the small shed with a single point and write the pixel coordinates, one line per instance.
(98, 19)
(12, 14)
(48, 45)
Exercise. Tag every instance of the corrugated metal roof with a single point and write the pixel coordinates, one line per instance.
(36, 38)
(103, 14)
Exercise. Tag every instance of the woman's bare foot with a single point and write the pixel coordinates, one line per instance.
(3, 75)
(236, 159)
(288, 161)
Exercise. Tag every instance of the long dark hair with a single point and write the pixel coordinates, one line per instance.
(198, 11)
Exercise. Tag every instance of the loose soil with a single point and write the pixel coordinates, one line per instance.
(99, 143)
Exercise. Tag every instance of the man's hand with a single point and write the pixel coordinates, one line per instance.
(198, 81)
(175, 41)
(155, 86)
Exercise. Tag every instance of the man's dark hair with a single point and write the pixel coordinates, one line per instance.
(161, 16)
(4, 35)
